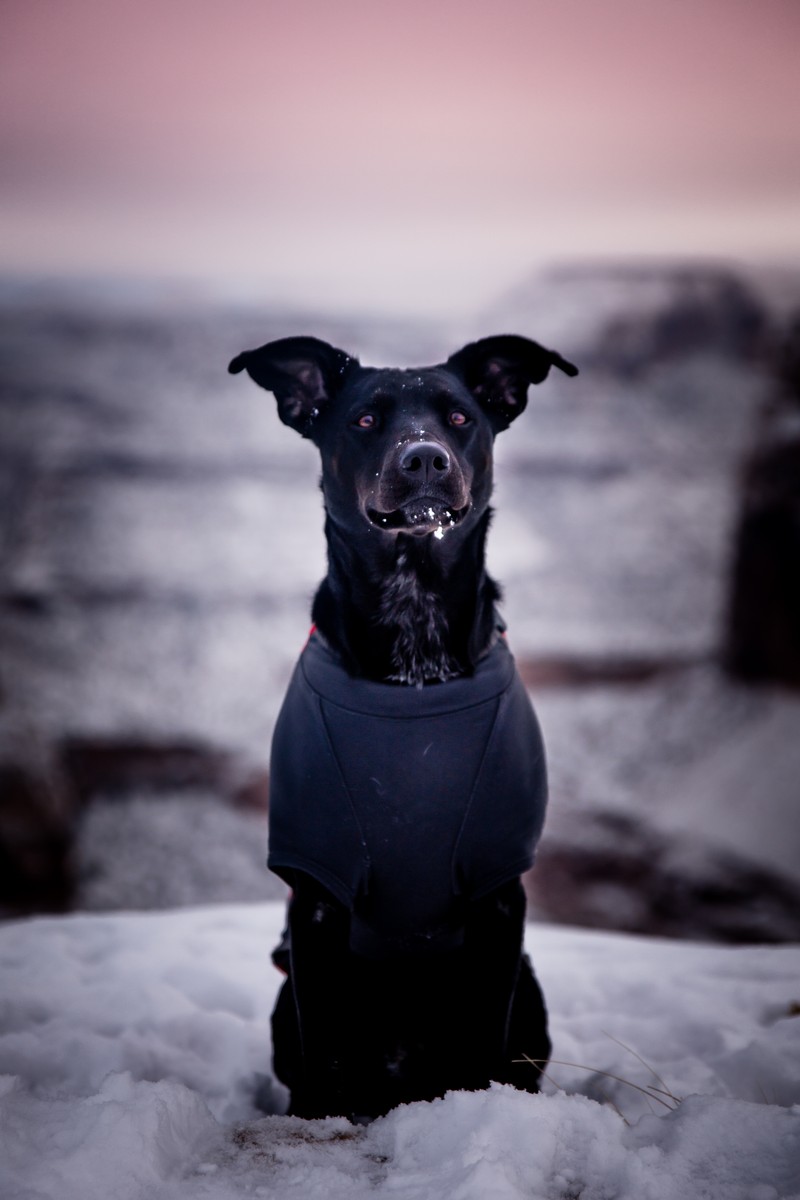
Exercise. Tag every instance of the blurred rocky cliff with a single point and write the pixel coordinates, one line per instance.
(161, 537)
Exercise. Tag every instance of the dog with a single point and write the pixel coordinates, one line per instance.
(407, 780)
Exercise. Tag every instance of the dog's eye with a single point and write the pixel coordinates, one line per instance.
(457, 417)
(367, 420)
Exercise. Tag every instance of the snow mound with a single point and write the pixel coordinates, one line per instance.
(133, 1049)
(124, 1141)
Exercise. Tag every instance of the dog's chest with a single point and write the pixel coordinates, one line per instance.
(400, 800)
(413, 615)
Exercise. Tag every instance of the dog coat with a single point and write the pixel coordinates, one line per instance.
(405, 802)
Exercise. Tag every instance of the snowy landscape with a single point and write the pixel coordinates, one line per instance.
(135, 1048)
(160, 539)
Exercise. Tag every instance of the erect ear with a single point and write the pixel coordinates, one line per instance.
(498, 370)
(304, 373)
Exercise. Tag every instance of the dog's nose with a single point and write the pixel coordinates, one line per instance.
(428, 459)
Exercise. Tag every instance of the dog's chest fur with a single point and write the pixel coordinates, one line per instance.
(414, 616)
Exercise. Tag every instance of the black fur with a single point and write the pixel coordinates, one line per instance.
(406, 480)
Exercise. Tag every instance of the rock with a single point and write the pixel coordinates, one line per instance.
(35, 843)
(672, 806)
(629, 317)
(763, 626)
(616, 872)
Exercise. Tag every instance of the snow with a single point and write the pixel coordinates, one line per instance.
(167, 850)
(732, 800)
(133, 1049)
(703, 773)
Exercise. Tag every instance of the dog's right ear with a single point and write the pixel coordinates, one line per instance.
(304, 373)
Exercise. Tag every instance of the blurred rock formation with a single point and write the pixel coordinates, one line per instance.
(161, 537)
(763, 635)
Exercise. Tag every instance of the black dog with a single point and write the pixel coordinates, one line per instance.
(407, 783)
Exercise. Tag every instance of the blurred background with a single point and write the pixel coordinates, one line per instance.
(185, 179)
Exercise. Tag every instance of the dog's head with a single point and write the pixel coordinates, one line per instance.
(407, 451)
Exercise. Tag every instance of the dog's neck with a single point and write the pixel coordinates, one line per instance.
(416, 610)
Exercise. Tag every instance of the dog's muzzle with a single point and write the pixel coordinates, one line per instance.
(421, 516)
(428, 490)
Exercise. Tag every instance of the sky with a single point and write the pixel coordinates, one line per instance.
(414, 157)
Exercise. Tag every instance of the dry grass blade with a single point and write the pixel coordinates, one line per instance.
(560, 1088)
(664, 1089)
(557, 1062)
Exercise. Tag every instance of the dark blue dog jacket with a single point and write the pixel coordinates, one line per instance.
(405, 802)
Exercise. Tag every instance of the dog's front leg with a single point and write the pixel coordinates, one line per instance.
(512, 1015)
(319, 988)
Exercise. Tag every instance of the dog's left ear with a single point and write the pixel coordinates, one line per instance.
(498, 371)
(304, 373)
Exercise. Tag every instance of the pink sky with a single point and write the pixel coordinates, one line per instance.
(421, 155)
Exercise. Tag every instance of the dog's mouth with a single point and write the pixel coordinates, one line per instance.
(420, 517)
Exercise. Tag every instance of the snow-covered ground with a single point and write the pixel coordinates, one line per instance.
(133, 1048)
